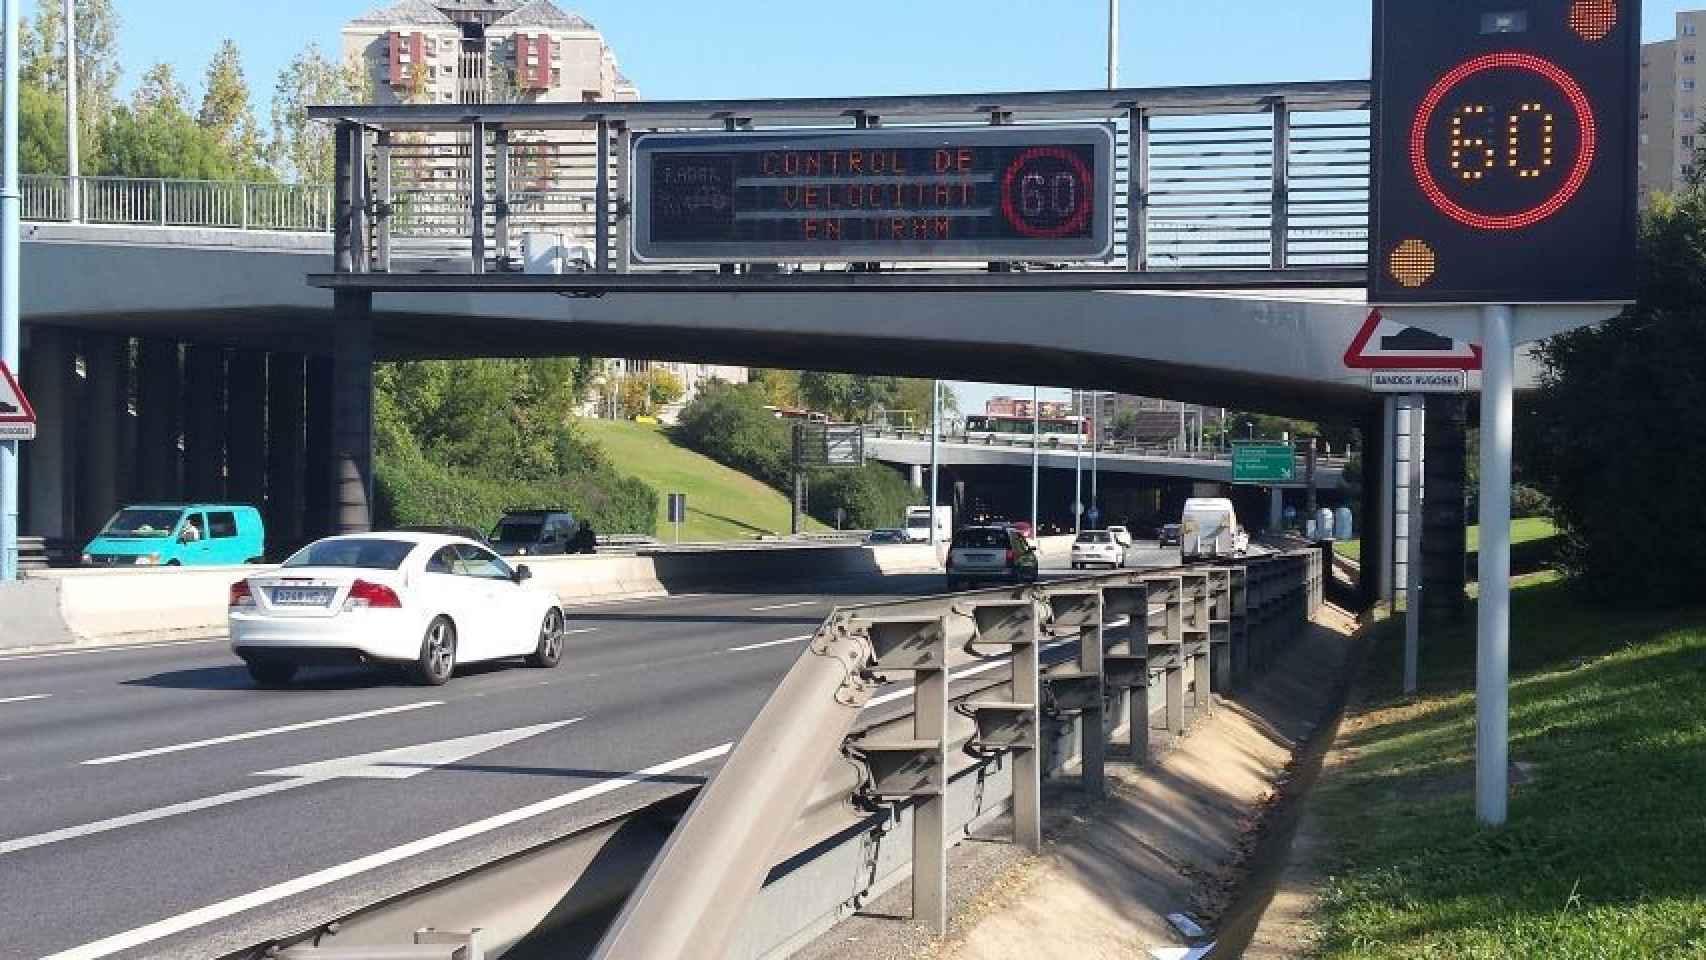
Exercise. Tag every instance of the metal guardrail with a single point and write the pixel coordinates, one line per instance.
(834, 793)
(178, 203)
(1056, 446)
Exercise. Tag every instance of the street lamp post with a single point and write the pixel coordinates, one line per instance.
(1036, 458)
(9, 204)
(73, 168)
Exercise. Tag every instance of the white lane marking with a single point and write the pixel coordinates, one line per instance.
(396, 764)
(124, 648)
(159, 929)
(145, 816)
(787, 606)
(268, 732)
(580, 630)
(771, 643)
(33, 696)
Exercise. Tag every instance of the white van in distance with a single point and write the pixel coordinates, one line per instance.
(1209, 528)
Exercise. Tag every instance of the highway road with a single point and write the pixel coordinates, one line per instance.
(154, 803)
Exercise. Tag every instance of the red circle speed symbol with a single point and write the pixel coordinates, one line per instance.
(1081, 210)
(1572, 92)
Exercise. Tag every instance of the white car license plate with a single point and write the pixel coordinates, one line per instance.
(301, 596)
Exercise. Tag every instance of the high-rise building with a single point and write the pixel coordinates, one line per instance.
(483, 51)
(1672, 107)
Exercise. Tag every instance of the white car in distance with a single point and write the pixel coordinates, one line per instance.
(429, 602)
(1097, 548)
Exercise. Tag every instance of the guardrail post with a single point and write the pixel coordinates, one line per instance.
(1240, 611)
(917, 768)
(1126, 666)
(1080, 691)
(1015, 725)
(1220, 627)
(1196, 627)
(1175, 664)
(161, 196)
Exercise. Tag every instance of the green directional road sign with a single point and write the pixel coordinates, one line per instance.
(1263, 463)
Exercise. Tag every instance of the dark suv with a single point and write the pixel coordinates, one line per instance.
(536, 533)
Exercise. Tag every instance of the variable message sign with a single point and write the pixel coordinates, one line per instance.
(1504, 151)
(973, 193)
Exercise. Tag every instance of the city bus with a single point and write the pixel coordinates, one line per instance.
(1052, 430)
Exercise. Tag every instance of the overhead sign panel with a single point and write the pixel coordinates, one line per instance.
(973, 193)
(1258, 462)
(1504, 151)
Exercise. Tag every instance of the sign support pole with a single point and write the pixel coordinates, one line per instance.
(1413, 548)
(9, 333)
(1036, 459)
(935, 459)
(1492, 647)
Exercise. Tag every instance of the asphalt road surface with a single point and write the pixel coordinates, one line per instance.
(154, 803)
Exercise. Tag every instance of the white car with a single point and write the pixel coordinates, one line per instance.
(426, 601)
(1097, 548)
(1121, 535)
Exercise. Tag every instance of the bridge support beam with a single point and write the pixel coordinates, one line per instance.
(352, 410)
(317, 493)
(245, 427)
(48, 379)
(204, 423)
(159, 392)
(1445, 475)
(286, 451)
(105, 393)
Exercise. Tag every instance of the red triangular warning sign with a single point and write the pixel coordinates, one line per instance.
(17, 417)
(1399, 347)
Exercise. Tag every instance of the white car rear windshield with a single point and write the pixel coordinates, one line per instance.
(1097, 537)
(364, 553)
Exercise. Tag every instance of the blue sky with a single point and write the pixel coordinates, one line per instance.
(675, 49)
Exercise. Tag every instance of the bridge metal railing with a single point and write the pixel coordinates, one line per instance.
(837, 793)
(1259, 177)
(1056, 445)
(179, 203)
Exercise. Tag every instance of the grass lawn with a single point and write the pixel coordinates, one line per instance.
(1522, 531)
(1604, 854)
(722, 503)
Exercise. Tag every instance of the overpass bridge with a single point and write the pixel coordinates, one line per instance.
(1234, 278)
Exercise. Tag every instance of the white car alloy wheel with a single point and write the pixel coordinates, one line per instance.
(549, 652)
(438, 653)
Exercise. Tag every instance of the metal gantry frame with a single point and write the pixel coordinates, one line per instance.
(1220, 192)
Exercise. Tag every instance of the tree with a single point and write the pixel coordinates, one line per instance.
(913, 394)
(728, 423)
(302, 149)
(1615, 430)
(42, 61)
(781, 387)
(663, 388)
(41, 130)
(225, 110)
(847, 396)
(159, 89)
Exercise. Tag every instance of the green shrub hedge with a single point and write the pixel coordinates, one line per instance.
(412, 490)
(873, 496)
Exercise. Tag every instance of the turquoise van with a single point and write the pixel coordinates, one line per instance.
(183, 535)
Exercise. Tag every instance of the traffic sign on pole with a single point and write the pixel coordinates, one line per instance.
(17, 417)
(1384, 344)
(1263, 462)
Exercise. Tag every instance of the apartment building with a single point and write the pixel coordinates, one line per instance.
(1672, 107)
(483, 51)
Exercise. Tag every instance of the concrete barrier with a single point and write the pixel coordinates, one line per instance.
(96, 606)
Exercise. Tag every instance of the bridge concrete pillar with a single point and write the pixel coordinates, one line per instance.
(246, 427)
(917, 476)
(286, 452)
(1444, 511)
(1374, 509)
(159, 393)
(204, 423)
(106, 394)
(317, 449)
(47, 378)
(352, 409)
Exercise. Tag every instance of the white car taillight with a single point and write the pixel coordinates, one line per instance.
(241, 595)
(364, 595)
